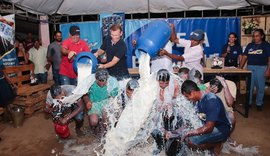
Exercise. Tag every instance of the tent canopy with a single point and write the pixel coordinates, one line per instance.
(82, 7)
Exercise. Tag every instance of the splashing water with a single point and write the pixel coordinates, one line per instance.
(121, 138)
(132, 134)
(140, 117)
(85, 80)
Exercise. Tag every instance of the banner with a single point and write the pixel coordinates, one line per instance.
(216, 33)
(107, 20)
(7, 40)
(89, 33)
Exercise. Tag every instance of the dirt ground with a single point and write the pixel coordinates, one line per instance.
(37, 136)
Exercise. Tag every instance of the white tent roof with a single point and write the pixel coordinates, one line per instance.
(80, 7)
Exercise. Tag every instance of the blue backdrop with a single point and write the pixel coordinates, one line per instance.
(216, 33)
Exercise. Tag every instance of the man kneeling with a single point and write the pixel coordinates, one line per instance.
(211, 111)
(62, 113)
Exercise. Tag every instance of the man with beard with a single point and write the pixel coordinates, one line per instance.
(54, 56)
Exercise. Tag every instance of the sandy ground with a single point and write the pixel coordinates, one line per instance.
(37, 137)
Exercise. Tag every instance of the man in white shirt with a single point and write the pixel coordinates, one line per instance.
(38, 55)
(162, 62)
(193, 52)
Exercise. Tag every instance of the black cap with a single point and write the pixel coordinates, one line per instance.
(74, 30)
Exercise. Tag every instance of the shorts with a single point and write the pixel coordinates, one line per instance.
(97, 108)
(213, 137)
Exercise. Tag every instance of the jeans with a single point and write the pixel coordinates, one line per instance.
(56, 76)
(213, 137)
(258, 81)
(64, 80)
(42, 77)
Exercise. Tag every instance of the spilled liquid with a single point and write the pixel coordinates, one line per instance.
(143, 114)
(129, 130)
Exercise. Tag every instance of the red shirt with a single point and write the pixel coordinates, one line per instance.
(66, 66)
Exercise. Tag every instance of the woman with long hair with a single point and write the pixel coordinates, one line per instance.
(257, 55)
(22, 54)
(232, 51)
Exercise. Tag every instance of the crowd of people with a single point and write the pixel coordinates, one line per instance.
(213, 101)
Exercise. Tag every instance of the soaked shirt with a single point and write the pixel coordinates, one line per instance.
(97, 93)
(210, 108)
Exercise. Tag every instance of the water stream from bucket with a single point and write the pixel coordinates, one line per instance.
(132, 134)
(140, 116)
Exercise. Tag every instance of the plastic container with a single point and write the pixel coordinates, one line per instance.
(85, 58)
(62, 130)
(153, 39)
(17, 116)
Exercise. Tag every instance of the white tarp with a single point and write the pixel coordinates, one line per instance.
(80, 7)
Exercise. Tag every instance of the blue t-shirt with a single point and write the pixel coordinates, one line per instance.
(257, 54)
(212, 108)
(235, 51)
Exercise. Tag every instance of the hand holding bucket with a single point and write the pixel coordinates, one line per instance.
(153, 39)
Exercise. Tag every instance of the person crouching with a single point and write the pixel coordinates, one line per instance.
(104, 87)
(63, 114)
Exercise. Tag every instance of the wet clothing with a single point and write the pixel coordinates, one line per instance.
(99, 96)
(163, 62)
(119, 50)
(66, 66)
(233, 90)
(202, 87)
(60, 112)
(213, 137)
(211, 108)
(231, 58)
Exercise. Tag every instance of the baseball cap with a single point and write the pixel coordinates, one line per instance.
(197, 35)
(74, 30)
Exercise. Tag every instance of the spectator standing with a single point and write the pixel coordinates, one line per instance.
(37, 55)
(71, 47)
(232, 51)
(115, 49)
(29, 43)
(257, 55)
(22, 54)
(54, 56)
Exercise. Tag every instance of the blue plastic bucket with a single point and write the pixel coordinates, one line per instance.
(85, 58)
(153, 39)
